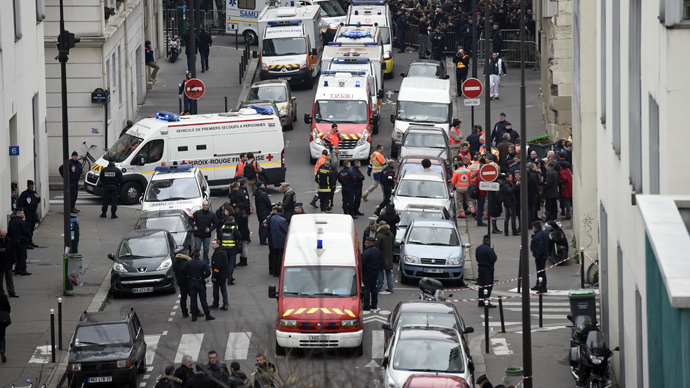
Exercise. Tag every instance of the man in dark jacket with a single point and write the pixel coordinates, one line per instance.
(507, 194)
(185, 371)
(401, 23)
(198, 272)
(391, 217)
(474, 141)
(532, 192)
(204, 222)
(540, 249)
(218, 370)
(205, 42)
(75, 171)
(387, 184)
(263, 209)
(497, 39)
(486, 259)
(288, 200)
(18, 232)
(29, 200)
(111, 177)
(267, 225)
(182, 280)
(265, 373)
(323, 178)
(347, 180)
(279, 229)
(371, 262)
(359, 183)
(191, 56)
(245, 202)
(551, 191)
(385, 241)
(238, 379)
(200, 380)
(6, 261)
(438, 43)
(220, 274)
(230, 240)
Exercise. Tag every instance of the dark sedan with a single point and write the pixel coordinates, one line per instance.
(175, 221)
(143, 263)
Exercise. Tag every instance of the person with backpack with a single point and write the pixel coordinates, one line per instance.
(251, 172)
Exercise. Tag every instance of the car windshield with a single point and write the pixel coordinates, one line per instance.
(428, 355)
(172, 190)
(147, 246)
(123, 147)
(418, 167)
(284, 46)
(423, 112)
(425, 140)
(408, 216)
(341, 111)
(428, 319)
(319, 281)
(272, 93)
(423, 71)
(430, 235)
(171, 224)
(421, 189)
(331, 8)
(102, 335)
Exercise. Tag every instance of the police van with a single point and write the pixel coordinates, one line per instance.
(342, 98)
(211, 142)
(176, 187)
(378, 13)
(319, 295)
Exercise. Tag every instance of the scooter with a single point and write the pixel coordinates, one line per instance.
(558, 243)
(174, 48)
(589, 357)
(432, 289)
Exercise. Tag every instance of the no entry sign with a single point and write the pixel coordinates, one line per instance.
(472, 88)
(194, 88)
(488, 173)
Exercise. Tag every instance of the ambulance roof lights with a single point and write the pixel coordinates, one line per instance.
(284, 23)
(167, 116)
(357, 84)
(379, 12)
(325, 83)
(372, 43)
(342, 72)
(350, 60)
(178, 168)
(368, 2)
(335, 44)
(262, 110)
(356, 12)
(355, 34)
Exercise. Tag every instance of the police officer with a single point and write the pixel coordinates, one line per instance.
(462, 67)
(347, 180)
(359, 183)
(387, 183)
(198, 271)
(221, 273)
(29, 200)
(230, 238)
(371, 261)
(438, 43)
(540, 249)
(75, 171)
(486, 258)
(111, 177)
(323, 178)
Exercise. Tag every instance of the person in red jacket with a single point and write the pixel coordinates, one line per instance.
(565, 177)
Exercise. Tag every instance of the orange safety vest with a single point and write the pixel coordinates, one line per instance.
(334, 139)
(377, 162)
(239, 171)
(461, 179)
(455, 143)
(461, 65)
(319, 162)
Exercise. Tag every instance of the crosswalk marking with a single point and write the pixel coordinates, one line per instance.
(42, 355)
(151, 346)
(189, 344)
(500, 347)
(237, 346)
(378, 341)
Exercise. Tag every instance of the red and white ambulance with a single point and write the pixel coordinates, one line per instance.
(319, 297)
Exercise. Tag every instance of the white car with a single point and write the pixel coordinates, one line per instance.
(420, 187)
(176, 187)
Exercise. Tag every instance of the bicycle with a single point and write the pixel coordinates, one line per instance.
(86, 160)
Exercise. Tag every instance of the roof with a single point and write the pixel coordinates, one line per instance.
(272, 82)
(150, 126)
(417, 159)
(288, 13)
(418, 306)
(434, 223)
(336, 232)
(424, 89)
(163, 213)
(425, 128)
(143, 233)
(427, 333)
(424, 207)
(426, 62)
(423, 176)
(100, 317)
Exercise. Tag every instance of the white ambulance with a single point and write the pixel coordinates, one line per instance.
(211, 142)
(181, 187)
(344, 99)
(291, 44)
(378, 13)
(332, 14)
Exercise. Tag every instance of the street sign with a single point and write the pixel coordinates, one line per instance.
(472, 88)
(489, 186)
(488, 173)
(14, 150)
(194, 88)
(100, 96)
(471, 102)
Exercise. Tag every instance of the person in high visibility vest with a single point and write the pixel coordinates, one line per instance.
(319, 163)
(455, 138)
(377, 162)
(333, 139)
(461, 182)
(239, 170)
(462, 67)
(230, 239)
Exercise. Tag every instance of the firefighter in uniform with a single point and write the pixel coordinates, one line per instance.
(347, 180)
(323, 178)
(462, 67)
(319, 163)
(387, 182)
(230, 238)
(111, 177)
(455, 139)
(461, 182)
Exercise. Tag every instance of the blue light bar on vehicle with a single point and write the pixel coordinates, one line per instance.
(167, 116)
(332, 72)
(350, 60)
(335, 44)
(355, 34)
(181, 167)
(356, 12)
(372, 43)
(285, 23)
(379, 12)
(357, 84)
(263, 110)
(368, 2)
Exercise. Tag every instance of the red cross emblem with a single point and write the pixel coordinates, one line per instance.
(269, 157)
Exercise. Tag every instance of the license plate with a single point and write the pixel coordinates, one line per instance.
(433, 270)
(102, 379)
(318, 338)
(142, 290)
(344, 155)
(285, 78)
(89, 188)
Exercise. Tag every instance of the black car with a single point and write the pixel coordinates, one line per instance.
(175, 221)
(426, 68)
(143, 263)
(107, 347)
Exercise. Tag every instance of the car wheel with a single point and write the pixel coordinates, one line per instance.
(173, 290)
(280, 351)
(250, 37)
(403, 279)
(358, 351)
(130, 193)
(288, 127)
(312, 160)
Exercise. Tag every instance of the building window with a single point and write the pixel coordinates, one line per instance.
(635, 97)
(616, 73)
(686, 9)
(17, 20)
(604, 268)
(602, 63)
(654, 184)
(40, 10)
(119, 74)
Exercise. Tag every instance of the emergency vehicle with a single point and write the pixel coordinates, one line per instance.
(319, 296)
(291, 44)
(378, 13)
(176, 187)
(332, 14)
(344, 99)
(212, 142)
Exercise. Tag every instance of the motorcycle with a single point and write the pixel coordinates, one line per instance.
(432, 289)
(589, 357)
(174, 48)
(558, 243)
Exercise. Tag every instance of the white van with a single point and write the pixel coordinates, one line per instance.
(378, 13)
(421, 101)
(332, 14)
(212, 142)
(181, 187)
(241, 17)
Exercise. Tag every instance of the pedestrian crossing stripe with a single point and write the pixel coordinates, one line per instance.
(315, 309)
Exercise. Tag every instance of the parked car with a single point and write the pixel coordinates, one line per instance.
(422, 187)
(426, 68)
(175, 221)
(428, 349)
(414, 163)
(432, 249)
(413, 212)
(279, 92)
(424, 140)
(143, 263)
(106, 347)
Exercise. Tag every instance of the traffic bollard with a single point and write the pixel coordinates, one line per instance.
(500, 311)
(237, 43)
(240, 65)
(179, 101)
(226, 103)
(486, 319)
(582, 267)
(60, 323)
(541, 304)
(52, 334)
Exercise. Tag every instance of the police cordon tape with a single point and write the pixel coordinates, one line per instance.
(522, 381)
(509, 280)
(590, 259)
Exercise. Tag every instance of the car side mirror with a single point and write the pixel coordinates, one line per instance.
(386, 326)
(374, 118)
(393, 118)
(307, 118)
(140, 161)
(111, 256)
(272, 292)
(468, 245)
(384, 363)
(468, 330)
(396, 91)
(379, 94)
(446, 76)
(403, 75)
(314, 51)
(293, 98)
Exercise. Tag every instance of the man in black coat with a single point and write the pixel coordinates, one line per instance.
(387, 184)
(263, 209)
(540, 249)
(204, 221)
(75, 171)
(551, 191)
(347, 181)
(187, 49)
(497, 39)
(182, 280)
(288, 200)
(185, 371)
(507, 190)
(111, 177)
(474, 141)
(29, 200)
(18, 232)
(198, 272)
(6, 261)
(205, 42)
(359, 183)
(200, 380)
(218, 370)
(438, 43)
(220, 273)
(486, 259)
(532, 192)
(230, 241)
(371, 261)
